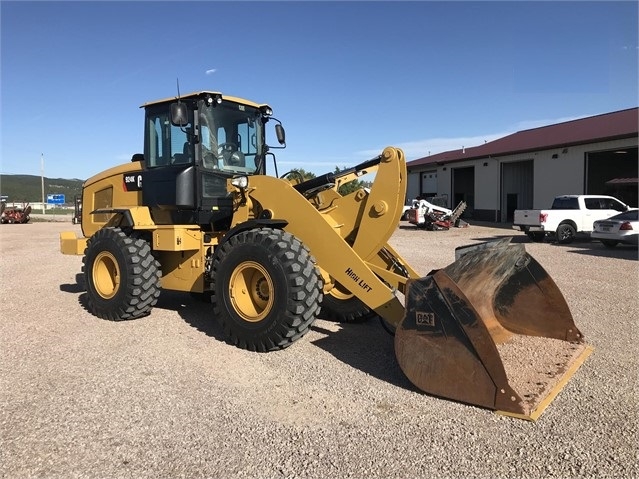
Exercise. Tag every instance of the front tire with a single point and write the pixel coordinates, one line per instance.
(266, 289)
(342, 306)
(121, 275)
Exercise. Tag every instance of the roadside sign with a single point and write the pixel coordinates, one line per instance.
(55, 199)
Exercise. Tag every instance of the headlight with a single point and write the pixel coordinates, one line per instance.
(210, 100)
(240, 182)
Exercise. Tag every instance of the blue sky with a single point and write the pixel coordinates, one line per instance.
(345, 78)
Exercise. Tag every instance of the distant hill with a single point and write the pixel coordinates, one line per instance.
(28, 188)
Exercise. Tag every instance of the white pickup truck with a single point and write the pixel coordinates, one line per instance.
(569, 215)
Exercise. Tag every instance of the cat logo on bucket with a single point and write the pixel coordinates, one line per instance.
(425, 319)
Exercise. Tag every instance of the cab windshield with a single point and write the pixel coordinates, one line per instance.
(231, 137)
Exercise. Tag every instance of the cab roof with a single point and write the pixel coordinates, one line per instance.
(199, 94)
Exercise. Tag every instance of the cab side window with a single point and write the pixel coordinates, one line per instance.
(565, 204)
(155, 150)
(166, 144)
(593, 203)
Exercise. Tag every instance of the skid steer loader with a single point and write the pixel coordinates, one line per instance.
(198, 213)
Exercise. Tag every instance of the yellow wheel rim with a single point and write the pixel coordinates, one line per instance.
(339, 292)
(106, 275)
(251, 291)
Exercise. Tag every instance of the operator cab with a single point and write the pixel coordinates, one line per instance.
(192, 146)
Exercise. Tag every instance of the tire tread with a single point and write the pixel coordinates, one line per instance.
(143, 271)
(304, 281)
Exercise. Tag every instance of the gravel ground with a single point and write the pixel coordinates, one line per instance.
(165, 397)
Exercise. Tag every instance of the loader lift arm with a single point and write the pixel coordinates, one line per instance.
(348, 235)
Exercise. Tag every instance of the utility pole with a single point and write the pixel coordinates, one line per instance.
(42, 180)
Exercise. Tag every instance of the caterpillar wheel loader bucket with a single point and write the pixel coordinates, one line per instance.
(491, 329)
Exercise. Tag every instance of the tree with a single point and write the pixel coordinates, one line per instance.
(350, 186)
(307, 175)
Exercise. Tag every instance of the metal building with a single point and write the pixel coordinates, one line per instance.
(593, 155)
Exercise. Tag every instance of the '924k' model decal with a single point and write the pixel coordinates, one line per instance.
(132, 182)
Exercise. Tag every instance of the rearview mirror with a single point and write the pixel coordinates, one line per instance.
(179, 114)
(281, 135)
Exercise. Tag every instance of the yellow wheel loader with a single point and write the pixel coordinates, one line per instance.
(196, 212)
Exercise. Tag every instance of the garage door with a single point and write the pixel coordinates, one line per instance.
(429, 183)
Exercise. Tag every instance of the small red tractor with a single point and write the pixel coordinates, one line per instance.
(14, 214)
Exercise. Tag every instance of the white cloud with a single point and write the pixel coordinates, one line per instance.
(211, 71)
(430, 146)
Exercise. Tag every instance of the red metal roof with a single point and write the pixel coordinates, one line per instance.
(608, 126)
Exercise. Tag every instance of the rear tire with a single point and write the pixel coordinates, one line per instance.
(565, 233)
(266, 289)
(121, 275)
(610, 243)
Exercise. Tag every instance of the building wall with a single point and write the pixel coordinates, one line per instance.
(564, 174)
(487, 184)
(444, 183)
(557, 176)
(412, 186)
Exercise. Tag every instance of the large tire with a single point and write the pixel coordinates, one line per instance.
(342, 306)
(565, 233)
(121, 275)
(266, 289)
